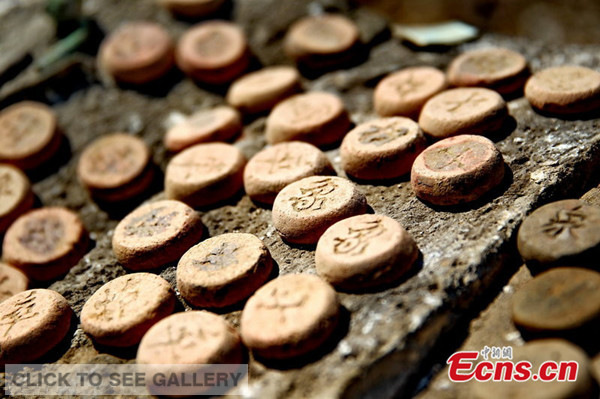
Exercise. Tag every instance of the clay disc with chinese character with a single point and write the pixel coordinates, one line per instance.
(221, 123)
(122, 310)
(322, 41)
(115, 167)
(45, 243)
(561, 299)
(16, 196)
(497, 68)
(564, 90)
(561, 233)
(382, 149)
(365, 251)
(403, 93)
(289, 316)
(156, 234)
(303, 210)
(137, 52)
(214, 52)
(223, 270)
(205, 174)
(12, 281)
(466, 110)
(273, 168)
(319, 118)
(261, 90)
(29, 135)
(31, 324)
(538, 352)
(457, 170)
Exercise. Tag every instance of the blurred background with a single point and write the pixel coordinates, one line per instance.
(559, 21)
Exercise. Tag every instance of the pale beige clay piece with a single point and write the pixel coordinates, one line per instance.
(29, 134)
(45, 243)
(404, 93)
(261, 90)
(495, 68)
(12, 281)
(273, 168)
(213, 52)
(216, 124)
(466, 110)
(33, 323)
(115, 167)
(303, 210)
(290, 316)
(365, 251)
(318, 118)
(223, 270)
(137, 52)
(382, 148)
(457, 170)
(155, 234)
(16, 196)
(205, 174)
(564, 90)
(122, 310)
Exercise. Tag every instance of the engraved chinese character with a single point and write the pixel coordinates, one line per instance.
(406, 86)
(5, 184)
(381, 135)
(153, 222)
(220, 257)
(283, 160)
(472, 99)
(314, 196)
(564, 220)
(358, 238)
(24, 311)
(283, 300)
(42, 235)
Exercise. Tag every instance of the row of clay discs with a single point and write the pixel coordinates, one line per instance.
(558, 311)
(216, 52)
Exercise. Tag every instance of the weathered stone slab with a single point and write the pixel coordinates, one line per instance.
(464, 249)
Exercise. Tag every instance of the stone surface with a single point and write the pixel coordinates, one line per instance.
(465, 250)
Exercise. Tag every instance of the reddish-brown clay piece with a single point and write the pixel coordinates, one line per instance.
(365, 251)
(216, 124)
(261, 90)
(457, 170)
(322, 41)
(192, 8)
(29, 135)
(137, 52)
(223, 270)
(564, 90)
(499, 69)
(156, 234)
(382, 148)
(12, 281)
(33, 322)
(45, 243)
(124, 309)
(318, 118)
(273, 168)
(468, 110)
(115, 167)
(289, 316)
(538, 352)
(16, 196)
(213, 52)
(404, 93)
(303, 210)
(205, 174)
(559, 300)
